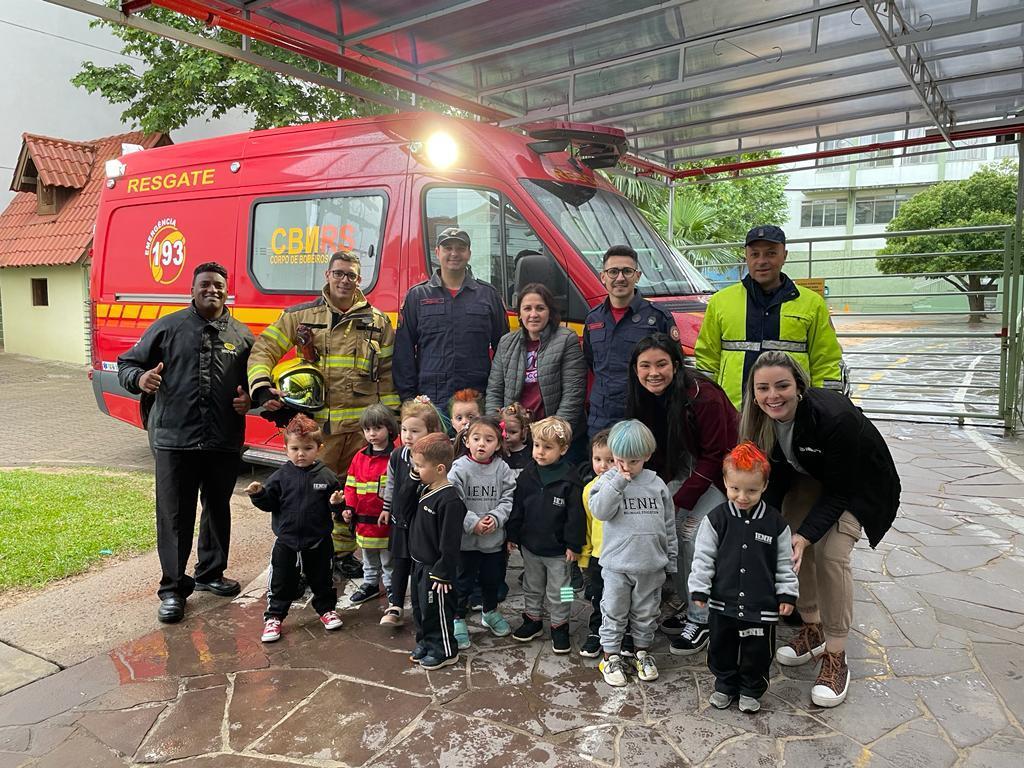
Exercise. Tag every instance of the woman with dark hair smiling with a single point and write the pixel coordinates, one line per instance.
(832, 474)
(540, 365)
(695, 426)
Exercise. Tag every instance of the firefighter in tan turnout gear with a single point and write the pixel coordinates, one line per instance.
(352, 344)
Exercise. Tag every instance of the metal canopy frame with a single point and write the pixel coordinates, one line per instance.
(688, 80)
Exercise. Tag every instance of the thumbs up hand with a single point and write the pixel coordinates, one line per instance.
(150, 380)
(242, 402)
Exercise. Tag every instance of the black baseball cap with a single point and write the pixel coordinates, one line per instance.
(454, 233)
(767, 233)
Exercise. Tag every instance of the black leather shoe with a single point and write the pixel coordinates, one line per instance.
(171, 610)
(223, 587)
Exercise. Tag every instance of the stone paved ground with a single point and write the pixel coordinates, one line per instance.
(937, 656)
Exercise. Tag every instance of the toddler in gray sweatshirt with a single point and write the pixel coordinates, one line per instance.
(638, 550)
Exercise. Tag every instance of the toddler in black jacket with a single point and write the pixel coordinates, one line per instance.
(300, 496)
(549, 527)
(435, 539)
(743, 571)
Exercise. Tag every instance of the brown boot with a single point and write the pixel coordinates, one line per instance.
(833, 680)
(808, 644)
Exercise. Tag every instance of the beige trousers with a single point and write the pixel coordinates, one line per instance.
(337, 454)
(826, 580)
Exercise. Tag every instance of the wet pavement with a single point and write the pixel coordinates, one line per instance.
(937, 656)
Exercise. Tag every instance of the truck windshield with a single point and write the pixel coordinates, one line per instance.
(594, 219)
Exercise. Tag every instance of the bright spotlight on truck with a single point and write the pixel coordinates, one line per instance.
(442, 151)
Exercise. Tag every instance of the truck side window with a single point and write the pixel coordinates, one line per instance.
(506, 252)
(291, 239)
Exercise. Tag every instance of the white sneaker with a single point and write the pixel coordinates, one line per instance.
(392, 617)
(613, 670)
(646, 669)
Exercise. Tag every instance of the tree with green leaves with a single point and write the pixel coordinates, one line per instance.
(711, 212)
(177, 83)
(988, 196)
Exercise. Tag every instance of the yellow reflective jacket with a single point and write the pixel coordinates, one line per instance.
(355, 347)
(741, 322)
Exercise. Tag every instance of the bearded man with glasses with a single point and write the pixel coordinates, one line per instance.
(611, 331)
(353, 343)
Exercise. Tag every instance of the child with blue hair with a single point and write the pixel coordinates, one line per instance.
(638, 550)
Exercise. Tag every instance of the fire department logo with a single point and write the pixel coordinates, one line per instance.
(165, 251)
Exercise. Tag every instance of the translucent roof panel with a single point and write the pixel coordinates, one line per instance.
(686, 79)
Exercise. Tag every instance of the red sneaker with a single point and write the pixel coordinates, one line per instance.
(271, 631)
(331, 620)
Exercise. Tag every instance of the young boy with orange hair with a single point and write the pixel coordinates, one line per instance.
(743, 571)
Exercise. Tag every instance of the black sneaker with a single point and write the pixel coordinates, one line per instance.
(364, 593)
(673, 625)
(560, 638)
(348, 567)
(693, 639)
(528, 630)
(627, 649)
(433, 662)
(418, 653)
(591, 647)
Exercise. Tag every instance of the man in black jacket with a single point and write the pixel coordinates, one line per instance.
(191, 366)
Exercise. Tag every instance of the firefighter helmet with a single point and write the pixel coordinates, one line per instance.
(301, 384)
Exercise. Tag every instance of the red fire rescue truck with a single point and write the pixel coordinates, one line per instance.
(272, 205)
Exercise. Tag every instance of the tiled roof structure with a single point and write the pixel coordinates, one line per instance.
(30, 239)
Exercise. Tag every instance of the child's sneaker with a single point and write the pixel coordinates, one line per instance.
(646, 669)
(392, 617)
(720, 700)
(418, 653)
(560, 638)
(529, 629)
(331, 621)
(591, 647)
(749, 704)
(613, 670)
(271, 630)
(807, 645)
(364, 593)
(432, 662)
(673, 625)
(462, 634)
(693, 639)
(627, 648)
(495, 622)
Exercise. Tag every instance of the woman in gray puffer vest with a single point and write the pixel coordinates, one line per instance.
(540, 365)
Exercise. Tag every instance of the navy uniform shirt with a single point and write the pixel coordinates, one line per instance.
(608, 346)
(444, 342)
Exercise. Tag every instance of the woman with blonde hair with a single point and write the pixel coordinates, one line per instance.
(832, 475)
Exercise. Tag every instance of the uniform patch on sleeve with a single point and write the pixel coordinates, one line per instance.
(673, 331)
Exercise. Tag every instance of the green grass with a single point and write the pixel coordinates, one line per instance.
(56, 523)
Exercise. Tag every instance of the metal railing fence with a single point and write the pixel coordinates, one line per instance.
(912, 349)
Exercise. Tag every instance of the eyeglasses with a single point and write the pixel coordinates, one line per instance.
(627, 272)
(340, 274)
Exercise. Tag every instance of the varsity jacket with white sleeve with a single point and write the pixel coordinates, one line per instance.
(742, 564)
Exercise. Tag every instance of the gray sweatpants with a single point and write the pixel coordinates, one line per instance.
(545, 577)
(632, 597)
(377, 566)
